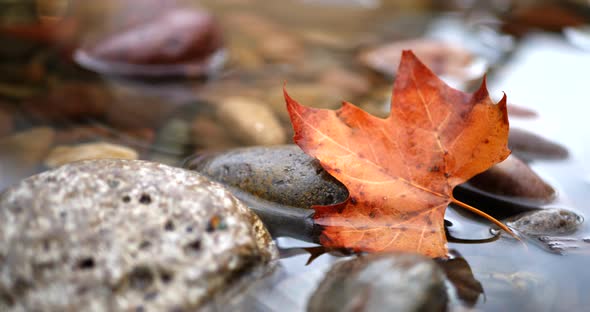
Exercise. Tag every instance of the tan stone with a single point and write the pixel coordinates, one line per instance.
(61, 155)
(250, 121)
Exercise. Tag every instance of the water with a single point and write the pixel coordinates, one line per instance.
(544, 72)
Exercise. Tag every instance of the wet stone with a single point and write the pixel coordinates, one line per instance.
(175, 43)
(6, 122)
(528, 145)
(281, 174)
(546, 222)
(513, 178)
(280, 183)
(250, 121)
(382, 282)
(125, 235)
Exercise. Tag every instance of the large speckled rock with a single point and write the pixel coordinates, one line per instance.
(109, 235)
(382, 282)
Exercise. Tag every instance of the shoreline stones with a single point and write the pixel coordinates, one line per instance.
(528, 145)
(125, 235)
(382, 282)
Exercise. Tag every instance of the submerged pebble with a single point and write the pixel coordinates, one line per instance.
(177, 42)
(5, 122)
(124, 235)
(441, 57)
(27, 148)
(513, 178)
(528, 145)
(61, 155)
(382, 282)
(250, 122)
(546, 222)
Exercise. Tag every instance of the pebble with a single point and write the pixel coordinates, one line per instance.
(26, 148)
(514, 178)
(208, 134)
(125, 235)
(270, 40)
(551, 221)
(179, 41)
(345, 82)
(281, 174)
(280, 183)
(310, 94)
(250, 121)
(69, 102)
(382, 282)
(172, 140)
(6, 122)
(528, 145)
(61, 155)
(441, 57)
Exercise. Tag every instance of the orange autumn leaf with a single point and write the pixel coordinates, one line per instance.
(400, 171)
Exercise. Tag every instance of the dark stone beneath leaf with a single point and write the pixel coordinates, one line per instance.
(382, 282)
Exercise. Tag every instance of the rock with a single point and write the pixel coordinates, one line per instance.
(382, 282)
(250, 122)
(140, 106)
(514, 178)
(279, 183)
(441, 57)
(284, 175)
(69, 102)
(311, 94)
(179, 41)
(345, 82)
(271, 41)
(6, 123)
(124, 235)
(61, 155)
(22, 152)
(520, 111)
(172, 141)
(27, 147)
(208, 134)
(528, 145)
(550, 221)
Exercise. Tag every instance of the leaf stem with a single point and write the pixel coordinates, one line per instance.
(485, 215)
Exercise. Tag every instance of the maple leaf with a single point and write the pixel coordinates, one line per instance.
(400, 171)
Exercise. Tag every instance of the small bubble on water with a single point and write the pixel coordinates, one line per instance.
(494, 231)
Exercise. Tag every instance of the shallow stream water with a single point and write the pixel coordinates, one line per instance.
(540, 70)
